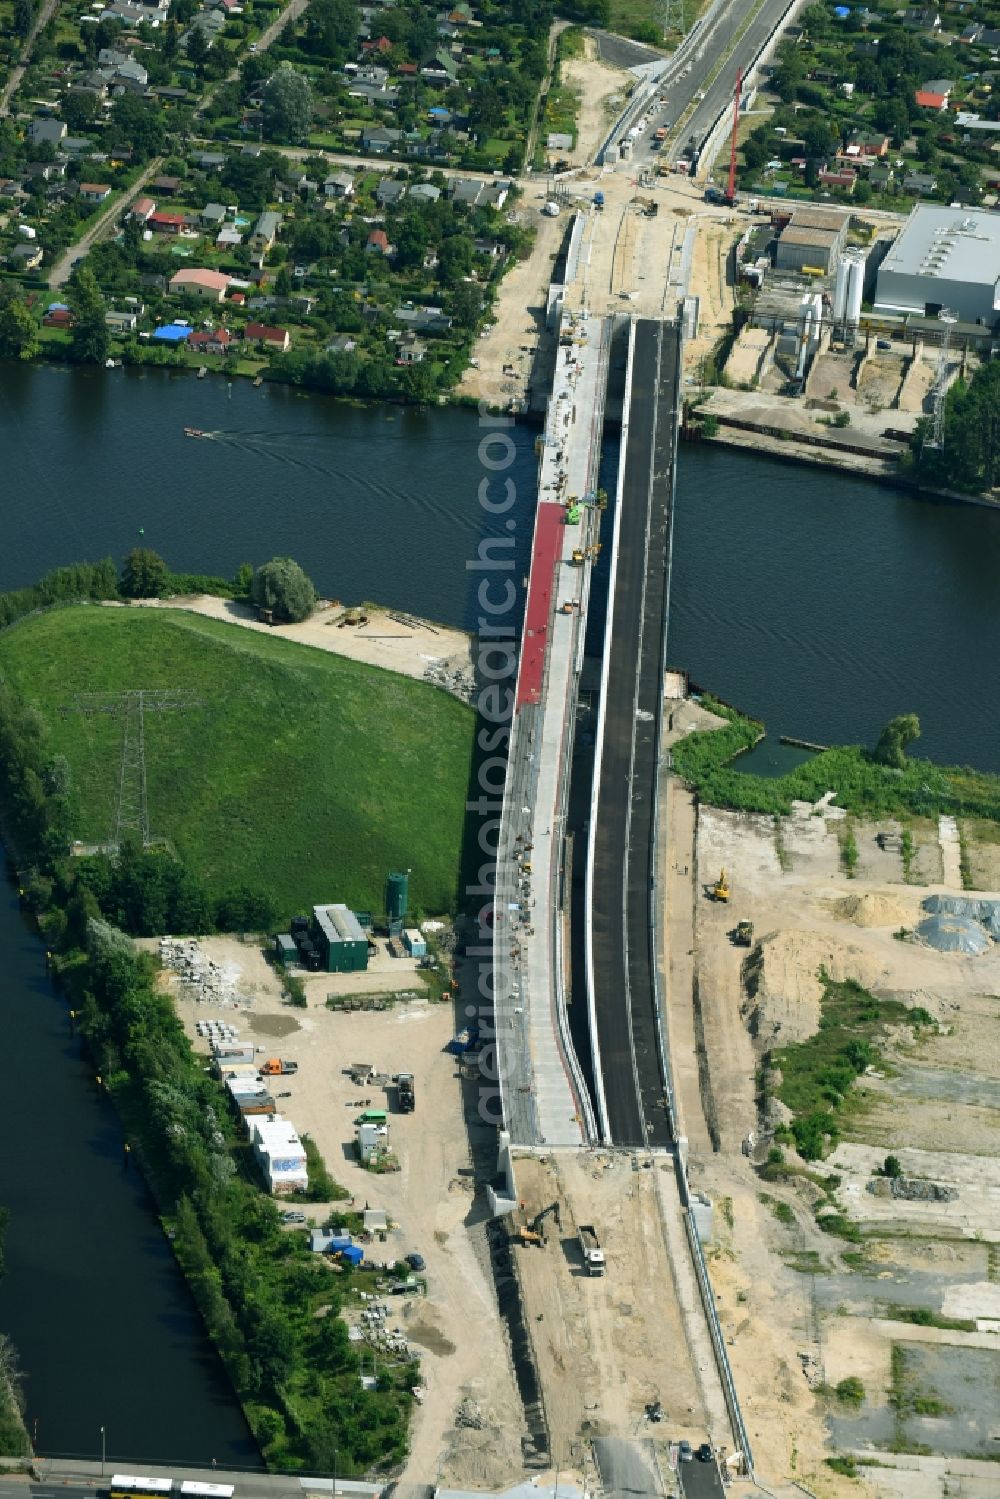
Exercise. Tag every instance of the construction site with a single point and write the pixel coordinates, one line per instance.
(877, 1263)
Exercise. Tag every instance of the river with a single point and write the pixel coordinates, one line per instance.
(825, 605)
(107, 1333)
(820, 603)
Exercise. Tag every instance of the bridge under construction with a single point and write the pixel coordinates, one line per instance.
(581, 1048)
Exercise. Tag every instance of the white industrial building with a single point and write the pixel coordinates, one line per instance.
(944, 258)
(280, 1153)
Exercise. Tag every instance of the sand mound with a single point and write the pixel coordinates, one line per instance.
(872, 909)
(786, 985)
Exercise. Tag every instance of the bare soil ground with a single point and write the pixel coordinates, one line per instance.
(714, 241)
(880, 380)
(795, 1311)
(602, 90)
(831, 375)
(605, 1346)
(415, 649)
(457, 1327)
(505, 354)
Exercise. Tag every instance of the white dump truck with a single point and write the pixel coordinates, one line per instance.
(590, 1248)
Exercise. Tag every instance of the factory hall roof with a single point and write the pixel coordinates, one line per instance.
(338, 924)
(832, 220)
(798, 234)
(956, 244)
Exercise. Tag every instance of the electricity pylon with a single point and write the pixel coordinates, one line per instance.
(940, 389)
(131, 809)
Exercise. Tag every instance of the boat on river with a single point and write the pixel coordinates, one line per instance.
(194, 432)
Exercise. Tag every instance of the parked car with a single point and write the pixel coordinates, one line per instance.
(416, 1262)
(294, 1217)
(685, 1452)
(705, 1453)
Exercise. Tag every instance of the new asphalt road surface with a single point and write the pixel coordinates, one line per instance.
(622, 935)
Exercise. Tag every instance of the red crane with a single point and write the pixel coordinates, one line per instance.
(731, 188)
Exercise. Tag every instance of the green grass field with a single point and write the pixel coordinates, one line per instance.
(644, 20)
(300, 772)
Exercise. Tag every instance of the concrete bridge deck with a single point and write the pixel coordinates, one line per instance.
(545, 1100)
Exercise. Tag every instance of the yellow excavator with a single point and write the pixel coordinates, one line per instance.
(720, 890)
(531, 1232)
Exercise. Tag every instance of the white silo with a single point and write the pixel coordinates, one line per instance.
(840, 289)
(855, 287)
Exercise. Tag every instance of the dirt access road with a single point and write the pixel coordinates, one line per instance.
(415, 648)
(10, 88)
(505, 353)
(606, 1346)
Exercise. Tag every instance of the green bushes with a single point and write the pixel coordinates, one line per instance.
(322, 1187)
(295, 991)
(851, 1391)
(818, 1074)
(862, 785)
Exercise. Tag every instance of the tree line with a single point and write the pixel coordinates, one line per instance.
(969, 459)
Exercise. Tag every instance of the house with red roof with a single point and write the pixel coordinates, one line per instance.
(165, 223)
(930, 100)
(378, 241)
(844, 177)
(275, 339)
(141, 210)
(216, 341)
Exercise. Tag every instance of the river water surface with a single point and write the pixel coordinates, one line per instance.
(822, 604)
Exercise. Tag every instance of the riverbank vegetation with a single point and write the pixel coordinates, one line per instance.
(270, 1305)
(13, 1436)
(289, 770)
(863, 784)
(970, 458)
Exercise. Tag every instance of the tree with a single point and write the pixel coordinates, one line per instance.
(140, 123)
(197, 49)
(24, 16)
(282, 587)
(144, 574)
(89, 339)
(467, 304)
(332, 28)
(892, 116)
(892, 1168)
(898, 734)
(970, 458)
(79, 110)
(170, 40)
(287, 105)
(18, 330)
